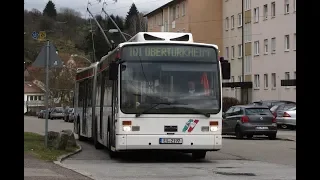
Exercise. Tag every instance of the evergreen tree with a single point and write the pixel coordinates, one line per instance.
(50, 10)
(133, 12)
(119, 22)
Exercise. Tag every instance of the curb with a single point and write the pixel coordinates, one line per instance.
(63, 157)
(286, 139)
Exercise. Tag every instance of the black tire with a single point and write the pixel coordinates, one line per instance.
(81, 138)
(272, 136)
(250, 136)
(199, 155)
(239, 134)
(292, 127)
(96, 143)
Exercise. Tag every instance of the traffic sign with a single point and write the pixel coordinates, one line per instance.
(35, 35)
(42, 35)
(54, 60)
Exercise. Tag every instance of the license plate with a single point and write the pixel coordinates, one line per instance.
(262, 128)
(170, 141)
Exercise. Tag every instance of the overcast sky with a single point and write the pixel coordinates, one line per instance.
(120, 8)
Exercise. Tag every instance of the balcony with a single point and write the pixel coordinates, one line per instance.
(34, 103)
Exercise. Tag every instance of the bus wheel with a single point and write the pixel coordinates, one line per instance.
(81, 138)
(199, 155)
(96, 143)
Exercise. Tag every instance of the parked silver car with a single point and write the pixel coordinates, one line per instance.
(69, 115)
(57, 113)
(287, 119)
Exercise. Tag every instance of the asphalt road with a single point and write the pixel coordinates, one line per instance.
(254, 159)
(33, 124)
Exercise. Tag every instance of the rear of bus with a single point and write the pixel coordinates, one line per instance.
(169, 98)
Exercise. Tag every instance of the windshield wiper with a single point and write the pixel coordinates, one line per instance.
(196, 111)
(154, 106)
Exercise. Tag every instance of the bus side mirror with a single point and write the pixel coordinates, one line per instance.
(113, 71)
(225, 68)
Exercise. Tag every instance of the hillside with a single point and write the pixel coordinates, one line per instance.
(67, 32)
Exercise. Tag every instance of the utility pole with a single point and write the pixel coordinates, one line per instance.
(102, 31)
(48, 55)
(243, 51)
(47, 92)
(115, 24)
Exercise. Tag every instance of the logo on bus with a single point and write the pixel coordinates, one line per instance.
(190, 125)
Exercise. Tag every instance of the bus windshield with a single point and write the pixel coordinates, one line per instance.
(176, 77)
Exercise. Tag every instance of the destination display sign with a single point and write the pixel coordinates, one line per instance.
(167, 52)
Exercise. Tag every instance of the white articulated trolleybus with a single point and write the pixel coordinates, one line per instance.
(158, 91)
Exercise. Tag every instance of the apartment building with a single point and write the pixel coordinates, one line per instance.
(202, 18)
(269, 50)
(232, 43)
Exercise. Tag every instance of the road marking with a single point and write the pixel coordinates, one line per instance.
(31, 172)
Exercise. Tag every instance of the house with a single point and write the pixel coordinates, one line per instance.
(33, 97)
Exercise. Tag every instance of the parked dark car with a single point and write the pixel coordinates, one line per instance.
(42, 113)
(271, 103)
(249, 120)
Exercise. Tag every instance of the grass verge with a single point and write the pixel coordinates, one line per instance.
(34, 144)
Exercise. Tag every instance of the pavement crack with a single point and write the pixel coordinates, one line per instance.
(237, 156)
(234, 173)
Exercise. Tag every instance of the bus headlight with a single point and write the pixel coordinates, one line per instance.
(214, 126)
(126, 128)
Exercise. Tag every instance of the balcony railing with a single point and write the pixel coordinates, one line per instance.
(34, 103)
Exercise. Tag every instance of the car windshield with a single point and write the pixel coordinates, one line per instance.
(288, 106)
(274, 108)
(58, 110)
(257, 111)
(292, 109)
(178, 83)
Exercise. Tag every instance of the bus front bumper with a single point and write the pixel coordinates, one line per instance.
(152, 142)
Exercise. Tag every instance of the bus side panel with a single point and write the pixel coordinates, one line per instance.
(75, 106)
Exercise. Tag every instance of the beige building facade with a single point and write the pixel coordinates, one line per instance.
(269, 47)
(202, 18)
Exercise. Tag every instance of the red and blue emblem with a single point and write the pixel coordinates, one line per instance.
(190, 125)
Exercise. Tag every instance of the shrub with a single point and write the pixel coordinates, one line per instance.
(227, 102)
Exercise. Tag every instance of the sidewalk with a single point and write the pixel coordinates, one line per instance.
(35, 169)
(287, 135)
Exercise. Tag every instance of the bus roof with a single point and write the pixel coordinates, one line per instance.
(162, 36)
(159, 38)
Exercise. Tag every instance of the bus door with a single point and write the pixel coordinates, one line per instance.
(114, 94)
(85, 103)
